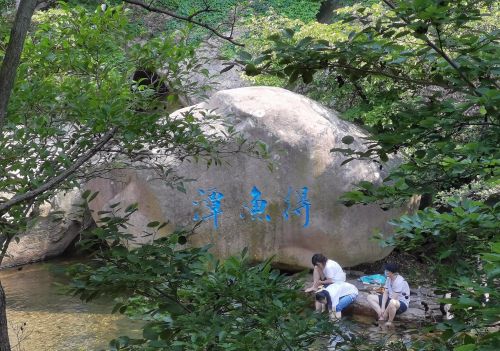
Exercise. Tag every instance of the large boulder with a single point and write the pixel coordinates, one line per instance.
(300, 134)
(48, 234)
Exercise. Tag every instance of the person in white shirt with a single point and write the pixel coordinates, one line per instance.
(396, 297)
(325, 272)
(336, 297)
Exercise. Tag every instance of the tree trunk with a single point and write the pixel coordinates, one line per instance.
(25, 9)
(4, 330)
(13, 54)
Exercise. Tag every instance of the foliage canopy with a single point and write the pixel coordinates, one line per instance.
(423, 77)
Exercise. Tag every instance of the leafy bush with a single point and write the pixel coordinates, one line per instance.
(462, 249)
(224, 10)
(303, 10)
(423, 78)
(191, 301)
(4, 4)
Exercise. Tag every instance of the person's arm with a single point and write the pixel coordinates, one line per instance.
(326, 281)
(317, 279)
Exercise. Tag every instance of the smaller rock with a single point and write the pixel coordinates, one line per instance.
(362, 307)
(48, 237)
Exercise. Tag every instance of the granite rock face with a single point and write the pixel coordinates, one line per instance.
(47, 237)
(300, 134)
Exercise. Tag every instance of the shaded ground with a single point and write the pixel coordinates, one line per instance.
(414, 269)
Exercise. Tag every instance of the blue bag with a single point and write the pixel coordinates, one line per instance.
(373, 279)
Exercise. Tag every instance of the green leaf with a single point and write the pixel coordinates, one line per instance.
(244, 55)
(251, 70)
(153, 224)
(93, 196)
(346, 161)
(383, 156)
(468, 347)
(119, 251)
(445, 254)
(227, 68)
(304, 42)
(420, 153)
(131, 207)
(463, 300)
(150, 332)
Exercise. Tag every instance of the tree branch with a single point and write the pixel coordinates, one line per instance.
(184, 18)
(13, 54)
(206, 9)
(439, 51)
(5, 246)
(4, 207)
(393, 76)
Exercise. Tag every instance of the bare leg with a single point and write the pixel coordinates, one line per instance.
(318, 306)
(373, 301)
(335, 316)
(391, 310)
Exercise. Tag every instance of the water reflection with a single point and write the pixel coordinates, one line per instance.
(54, 321)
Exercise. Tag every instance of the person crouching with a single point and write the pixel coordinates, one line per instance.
(335, 298)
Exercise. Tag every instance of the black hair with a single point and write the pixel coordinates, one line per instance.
(391, 267)
(321, 295)
(324, 295)
(318, 258)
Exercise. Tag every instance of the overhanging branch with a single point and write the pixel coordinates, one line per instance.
(439, 51)
(4, 207)
(190, 19)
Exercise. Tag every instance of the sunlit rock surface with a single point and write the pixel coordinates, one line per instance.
(300, 134)
(49, 234)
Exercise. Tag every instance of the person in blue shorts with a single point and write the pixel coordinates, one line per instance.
(335, 298)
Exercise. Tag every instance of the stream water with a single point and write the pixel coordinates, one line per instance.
(55, 321)
(58, 322)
